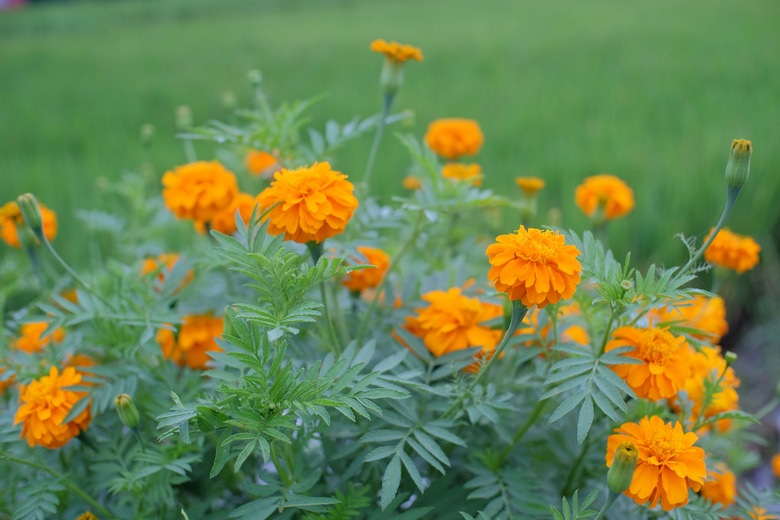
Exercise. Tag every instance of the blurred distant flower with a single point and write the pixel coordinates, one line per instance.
(11, 221)
(31, 340)
(720, 486)
(411, 182)
(225, 220)
(703, 313)
(453, 138)
(369, 277)
(163, 264)
(195, 339)
(396, 51)
(530, 185)
(463, 172)
(605, 193)
(733, 251)
(260, 163)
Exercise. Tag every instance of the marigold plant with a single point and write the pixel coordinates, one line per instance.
(454, 138)
(535, 267)
(199, 191)
(463, 172)
(11, 219)
(669, 463)
(44, 403)
(665, 361)
(369, 277)
(732, 251)
(607, 192)
(194, 340)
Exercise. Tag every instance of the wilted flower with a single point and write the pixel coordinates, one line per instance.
(720, 486)
(11, 219)
(669, 463)
(463, 172)
(369, 277)
(703, 313)
(44, 405)
(315, 203)
(453, 138)
(605, 191)
(396, 52)
(666, 361)
(535, 267)
(195, 339)
(732, 250)
(31, 338)
(199, 191)
(260, 162)
(453, 322)
(530, 185)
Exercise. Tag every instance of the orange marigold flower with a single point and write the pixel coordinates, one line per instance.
(163, 264)
(370, 277)
(194, 341)
(605, 191)
(45, 403)
(5, 382)
(453, 138)
(316, 203)
(530, 185)
(410, 182)
(31, 339)
(776, 465)
(453, 322)
(535, 267)
(199, 191)
(259, 162)
(463, 172)
(666, 361)
(720, 486)
(668, 465)
(225, 220)
(87, 516)
(397, 52)
(11, 218)
(759, 513)
(570, 334)
(703, 313)
(710, 364)
(732, 250)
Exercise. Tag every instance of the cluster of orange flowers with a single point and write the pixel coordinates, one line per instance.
(11, 223)
(193, 341)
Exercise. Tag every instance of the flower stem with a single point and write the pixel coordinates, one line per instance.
(68, 483)
(518, 313)
(380, 127)
(731, 197)
(393, 264)
(521, 432)
(315, 249)
(607, 331)
(610, 500)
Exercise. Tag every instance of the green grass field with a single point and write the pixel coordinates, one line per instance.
(652, 92)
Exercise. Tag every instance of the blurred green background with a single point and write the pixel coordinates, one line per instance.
(653, 92)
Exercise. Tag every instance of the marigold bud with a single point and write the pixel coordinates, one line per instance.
(31, 212)
(392, 77)
(738, 168)
(125, 408)
(621, 473)
(730, 357)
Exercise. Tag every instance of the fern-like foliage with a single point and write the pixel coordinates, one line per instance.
(39, 500)
(575, 510)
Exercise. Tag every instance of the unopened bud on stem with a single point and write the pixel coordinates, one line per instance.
(621, 473)
(738, 168)
(127, 411)
(31, 212)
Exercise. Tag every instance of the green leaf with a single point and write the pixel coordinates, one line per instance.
(391, 479)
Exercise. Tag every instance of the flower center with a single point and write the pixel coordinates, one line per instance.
(662, 447)
(534, 250)
(657, 346)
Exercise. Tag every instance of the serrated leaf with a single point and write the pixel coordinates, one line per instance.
(391, 479)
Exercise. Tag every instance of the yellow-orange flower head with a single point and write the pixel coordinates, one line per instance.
(259, 162)
(11, 219)
(463, 172)
(606, 191)
(454, 321)
(31, 340)
(703, 313)
(733, 251)
(195, 340)
(720, 486)
(668, 465)
(44, 403)
(666, 361)
(396, 52)
(199, 191)
(316, 203)
(225, 220)
(453, 138)
(535, 267)
(372, 276)
(530, 185)
(410, 182)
